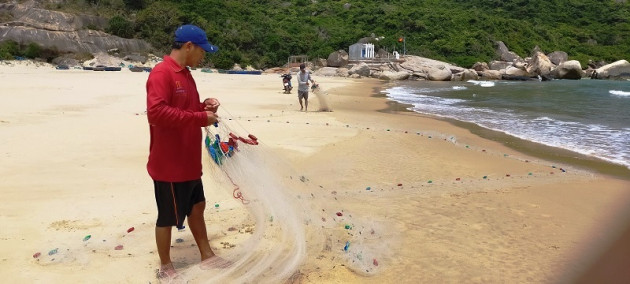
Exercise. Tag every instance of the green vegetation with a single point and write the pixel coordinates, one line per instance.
(121, 27)
(33, 50)
(11, 49)
(265, 33)
(8, 49)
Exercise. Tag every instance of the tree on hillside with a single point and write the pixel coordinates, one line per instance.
(119, 26)
(157, 23)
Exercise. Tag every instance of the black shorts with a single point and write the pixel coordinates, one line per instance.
(175, 201)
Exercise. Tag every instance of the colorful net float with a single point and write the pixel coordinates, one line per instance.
(219, 150)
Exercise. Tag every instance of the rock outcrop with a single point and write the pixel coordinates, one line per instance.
(557, 57)
(326, 71)
(394, 76)
(617, 70)
(361, 69)
(430, 69)
(505, 54)
(490, 75)
(338, 59)
(468, 74)
(63, 32)
(568, 70)
(539, 64)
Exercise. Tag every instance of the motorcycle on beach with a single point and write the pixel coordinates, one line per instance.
(286, 83)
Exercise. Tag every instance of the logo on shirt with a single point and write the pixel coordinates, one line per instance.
(179, 89)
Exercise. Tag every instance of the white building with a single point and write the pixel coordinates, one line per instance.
(361, 51)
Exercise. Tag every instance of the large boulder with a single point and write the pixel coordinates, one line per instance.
(499, 65)
(338, 58)
(480, 66)
(362, 69)
(558, 57)
(393, 75)
(539, 65)
(417, 64)
(425, 68)
(326, 72)
(513, 71)
(505, 54)
(468, 74)
(320, 62)
(616, 70)
(439, 74)
(568, 70)
(342, 72)
(490, 75)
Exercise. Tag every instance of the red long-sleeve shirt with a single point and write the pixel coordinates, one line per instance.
(175, 119)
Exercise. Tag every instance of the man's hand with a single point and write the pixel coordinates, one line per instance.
(211, 104)
(212, 117)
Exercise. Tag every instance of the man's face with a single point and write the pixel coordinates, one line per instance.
(195, 54)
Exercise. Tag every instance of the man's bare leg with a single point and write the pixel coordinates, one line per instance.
(301, 106)
(163, 241)
(198, 229)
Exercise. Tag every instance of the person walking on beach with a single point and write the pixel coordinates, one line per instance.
(303, 77)
(175, 116)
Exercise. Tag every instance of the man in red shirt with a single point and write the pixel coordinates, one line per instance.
(176, 116)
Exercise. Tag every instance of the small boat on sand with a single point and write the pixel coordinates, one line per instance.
(242, 72)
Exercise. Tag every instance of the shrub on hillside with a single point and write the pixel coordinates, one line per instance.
(33, 50)
(9, 49)
(119, 26)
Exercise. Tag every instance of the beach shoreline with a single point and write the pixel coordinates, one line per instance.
(444, 204)
(534, 149)
(593, 173)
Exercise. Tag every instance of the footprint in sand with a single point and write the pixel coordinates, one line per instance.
(73, 225)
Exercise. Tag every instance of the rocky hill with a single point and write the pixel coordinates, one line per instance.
(62, 32)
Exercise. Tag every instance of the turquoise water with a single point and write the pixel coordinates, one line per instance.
(591, 117)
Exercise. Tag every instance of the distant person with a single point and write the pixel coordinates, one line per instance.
(176, 117)
(303, 77)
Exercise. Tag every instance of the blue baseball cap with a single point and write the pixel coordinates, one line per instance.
(195, 35)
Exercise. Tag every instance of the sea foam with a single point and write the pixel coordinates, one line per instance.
(619, 93)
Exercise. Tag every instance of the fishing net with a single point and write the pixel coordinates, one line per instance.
(266, 222)
(322, 97)
(286, 219)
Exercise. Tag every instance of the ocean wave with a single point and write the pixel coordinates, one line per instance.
(482, 83)
(619, 93)
(600, 140)
(589, 139)
(543, 118)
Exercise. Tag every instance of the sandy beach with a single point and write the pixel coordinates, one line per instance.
(422, 200)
